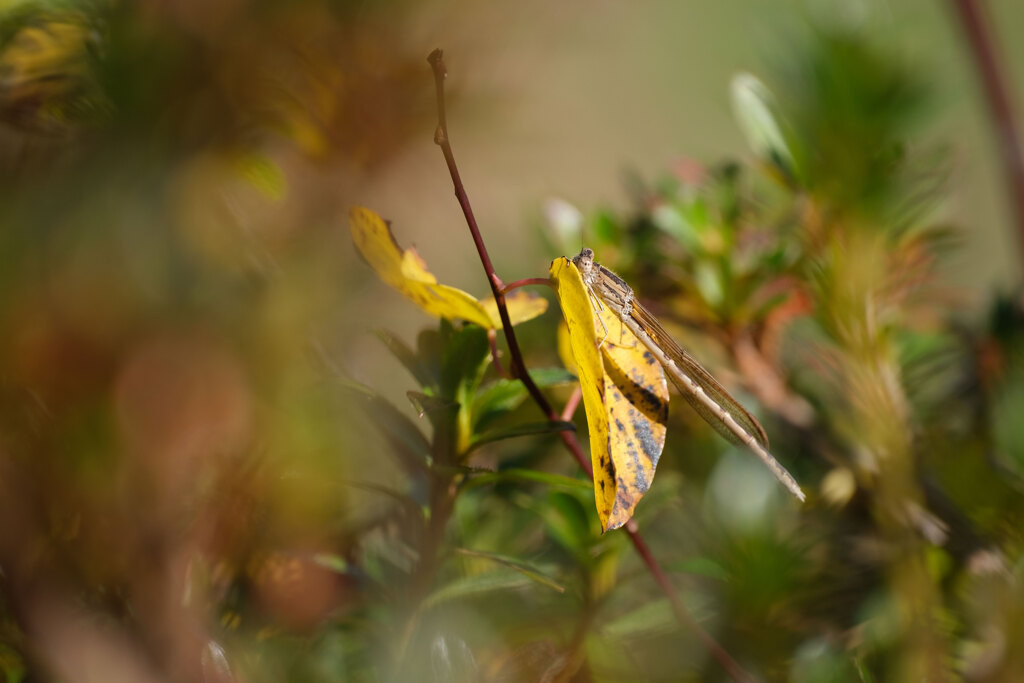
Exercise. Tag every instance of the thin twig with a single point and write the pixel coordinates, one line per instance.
(1000, 104)
(721, 655)
(572, 404)
(518, 366)
(518, 369)
(441, 138)
(505, 289)
(492, 342)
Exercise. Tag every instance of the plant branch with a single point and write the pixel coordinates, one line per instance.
(572, 404)
(505, 289)
(518, 369)
(982, 45)
(492, 342)
(724, 659)
(518, 366)
(441, 138)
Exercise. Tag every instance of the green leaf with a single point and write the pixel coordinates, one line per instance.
(725, 195)
(697, 215)
(495, 400)
(516, 474)
(652, 618)
(429, 345)
(605, 228)
(549, 377)
(412, 362)
(427, 405)
(474, 586)
(756, 114)
(709, 284)
(413, 507)
(673, 221)
(567, 522)
(1008, 435)
(524, 568)
(503, 395)
(526, 429)
(335, 563)
(407, 442)
(462, 359)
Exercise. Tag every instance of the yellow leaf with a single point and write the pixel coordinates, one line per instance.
(565, 349)
(406, 271)
(413, 267)
(624, 393)
(521, 305)
(579, 317)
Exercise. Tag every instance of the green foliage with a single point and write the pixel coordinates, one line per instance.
(815, 274)
(195, 486)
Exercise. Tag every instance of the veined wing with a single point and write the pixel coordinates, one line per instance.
(707, 396)
(702, 378)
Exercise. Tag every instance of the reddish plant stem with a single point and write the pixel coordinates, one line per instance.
(492, 342)
(524, 282)
(997, 93)
(441, 138)
(724, 659)
(518, 369)
(518, 366)
(569, 439)
(572, 404)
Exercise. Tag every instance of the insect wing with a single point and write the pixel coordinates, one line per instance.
(636, 399)
(646, 320)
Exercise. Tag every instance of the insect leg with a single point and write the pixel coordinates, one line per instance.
(598, 307)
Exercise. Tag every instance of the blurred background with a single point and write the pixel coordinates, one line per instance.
(210, 465)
